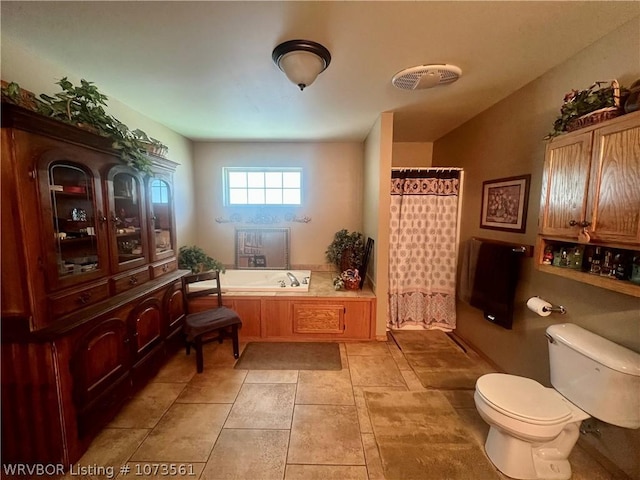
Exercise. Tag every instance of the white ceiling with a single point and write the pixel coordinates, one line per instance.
(204, 69)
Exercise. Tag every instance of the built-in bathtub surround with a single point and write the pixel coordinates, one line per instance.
(313, 311)
(283, 281)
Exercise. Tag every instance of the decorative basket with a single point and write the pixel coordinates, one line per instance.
(351, 279)
(601, 114)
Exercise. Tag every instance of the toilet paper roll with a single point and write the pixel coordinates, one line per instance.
(539, 306)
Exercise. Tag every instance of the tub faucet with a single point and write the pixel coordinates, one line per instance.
(294, 280)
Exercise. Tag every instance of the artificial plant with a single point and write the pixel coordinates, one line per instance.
(580, 102)
(346, 250)
(84, 106)
(195, 259)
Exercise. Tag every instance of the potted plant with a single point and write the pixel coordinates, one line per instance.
(195, 259)
(346, 251)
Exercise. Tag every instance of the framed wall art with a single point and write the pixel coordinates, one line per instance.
(504, 204)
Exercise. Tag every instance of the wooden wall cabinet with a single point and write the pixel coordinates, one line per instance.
(591, 195)
(91, 297)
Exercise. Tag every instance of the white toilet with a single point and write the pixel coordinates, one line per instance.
(534, 428)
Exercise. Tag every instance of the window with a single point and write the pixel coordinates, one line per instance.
(262, 186)
(159, 192)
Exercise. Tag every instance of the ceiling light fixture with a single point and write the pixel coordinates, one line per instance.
(301, 60)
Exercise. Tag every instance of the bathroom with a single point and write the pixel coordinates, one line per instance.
(343, 189)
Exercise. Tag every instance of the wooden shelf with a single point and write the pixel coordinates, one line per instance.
(619, 286)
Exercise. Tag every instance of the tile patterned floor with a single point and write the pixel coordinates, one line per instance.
(257, 424)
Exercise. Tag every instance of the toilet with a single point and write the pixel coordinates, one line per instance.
(534, 428)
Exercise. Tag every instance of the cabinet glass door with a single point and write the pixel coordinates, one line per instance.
(127, 220)
(161, 218)
(73, 213)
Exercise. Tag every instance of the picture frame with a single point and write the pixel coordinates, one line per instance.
(504, 204)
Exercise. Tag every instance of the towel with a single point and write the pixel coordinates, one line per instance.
(468, 269)
(494, 285)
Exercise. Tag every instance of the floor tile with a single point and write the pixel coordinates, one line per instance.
(326, 472)
(214, 386)
(179, 369)
(412, 381)
(147, 407)
(367, 348)
(272, 376)
(111, 448)
(186, 433)
(325, 434)
(324, 387)
(248, 454)
(263, 406)
(372, 457)
(373, 370)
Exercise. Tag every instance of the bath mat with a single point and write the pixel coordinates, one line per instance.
(438, 362)
(290, 356)
(420, 436)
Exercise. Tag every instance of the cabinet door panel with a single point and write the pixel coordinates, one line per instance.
(146, 323)
(72, 210)
(101, 358)
(174, 307)
(565, 184)
(615, 215)
(127, 219)
(318, 318)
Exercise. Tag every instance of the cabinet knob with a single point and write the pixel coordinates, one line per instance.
(585, 224)
(133, 281)
(573, 223)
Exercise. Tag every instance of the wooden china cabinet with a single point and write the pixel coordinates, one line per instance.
(91, 298)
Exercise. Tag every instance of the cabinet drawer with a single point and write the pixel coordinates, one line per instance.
(129, 280)
(165, 267)
(68, 302)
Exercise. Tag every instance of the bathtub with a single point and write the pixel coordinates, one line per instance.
(260, 281)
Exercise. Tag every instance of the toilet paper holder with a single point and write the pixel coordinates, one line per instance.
(555, 309)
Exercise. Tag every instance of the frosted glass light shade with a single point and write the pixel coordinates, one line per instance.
(301, 60)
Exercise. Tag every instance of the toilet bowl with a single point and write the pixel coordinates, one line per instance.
(532, 428)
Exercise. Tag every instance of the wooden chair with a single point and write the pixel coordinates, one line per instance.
(200, 325)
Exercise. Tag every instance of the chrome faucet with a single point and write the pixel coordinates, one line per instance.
(294, 280)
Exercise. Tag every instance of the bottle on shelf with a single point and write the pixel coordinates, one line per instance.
(596, 261)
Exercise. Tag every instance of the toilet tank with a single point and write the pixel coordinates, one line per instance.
(595, 374)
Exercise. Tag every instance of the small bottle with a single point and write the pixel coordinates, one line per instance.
(621, 269)
(576, 262)
(635, 268)
(595, 261)
(606, 267)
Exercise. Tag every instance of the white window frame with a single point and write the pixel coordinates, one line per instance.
(260, 190)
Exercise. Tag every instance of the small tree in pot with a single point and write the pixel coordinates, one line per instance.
(346, 251)
(195, 259)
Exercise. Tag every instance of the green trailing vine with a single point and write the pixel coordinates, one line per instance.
(84, 106)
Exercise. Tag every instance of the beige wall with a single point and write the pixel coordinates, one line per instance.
(332, 195)
(506, 140)
(377, 201)
(37, 75)
(412, 154)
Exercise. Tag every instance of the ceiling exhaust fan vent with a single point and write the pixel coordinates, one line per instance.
(426, 76)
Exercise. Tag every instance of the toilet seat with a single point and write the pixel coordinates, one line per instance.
(523, 399)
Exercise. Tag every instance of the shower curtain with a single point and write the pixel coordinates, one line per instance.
(423, 248)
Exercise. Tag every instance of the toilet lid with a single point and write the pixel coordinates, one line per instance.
(522, 398)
